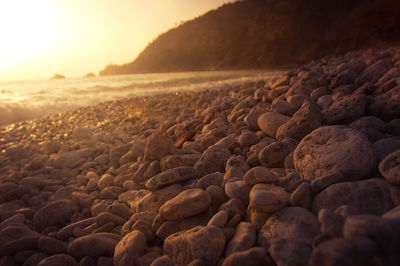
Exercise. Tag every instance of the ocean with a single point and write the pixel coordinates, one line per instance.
(23, 100)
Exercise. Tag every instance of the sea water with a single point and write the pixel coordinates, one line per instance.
(24, 100)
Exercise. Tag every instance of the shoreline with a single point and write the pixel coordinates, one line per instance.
(300, 168)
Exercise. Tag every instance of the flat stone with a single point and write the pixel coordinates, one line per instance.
(173, 161)
(67, 231)
(332, 149)
(274, 154)
(323, 182)
(186, 204)
(386, 105)
(345, 110)
(209, 180)
(107, 217)
(269, 122)
(302, 196)
(219, 219)
(51, 245)
(128, 250)
(171, 176)
(290, 251)
(238, 189)
(205, 243)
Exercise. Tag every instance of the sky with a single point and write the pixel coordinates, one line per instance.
(39, 38)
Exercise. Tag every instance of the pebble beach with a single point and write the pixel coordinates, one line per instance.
(299, 169)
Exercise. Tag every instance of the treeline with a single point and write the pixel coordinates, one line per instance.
(268, 33)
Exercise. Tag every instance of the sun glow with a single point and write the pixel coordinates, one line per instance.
(27, 29)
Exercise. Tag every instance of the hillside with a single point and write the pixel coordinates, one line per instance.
(268, 33)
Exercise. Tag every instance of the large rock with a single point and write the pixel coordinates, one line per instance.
(173, 161)
(345, 110)
(269, 122)
(390, 167)
(15, 238)
(117, 152)
(274, 154)
(371, 196)
(53, 213)
(289, 223)
(129, 249)
(305, 120)
(244, 238)
(259, 175)
(157, 147)
(171, 176)
(334, 149)
(213, 160)
(186, 204)
(346, 252)
(205, 243)
(93, 245)
(386, 105)
(268, 198)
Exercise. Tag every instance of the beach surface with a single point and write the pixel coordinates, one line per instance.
(298, 169)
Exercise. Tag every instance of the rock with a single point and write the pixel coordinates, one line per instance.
(15, 219)
(71, 159)
(253, 153)
(219, 219)
(135, 151)
(292, 223)
(386, 105)
(268, 198)
(274, 154)
(390, 167)
(58, 260)
(256, 256)
(239, 189)
(290, 251)
(244, 238)
(153, 201)
(107, 217)
(14, 238)
(331, 223)
(269, 122)
(50, 147)
(259, 175)
(247, 139)
(213, 160)
(105, 181)
(305, 120)
(157, 147)
(93, 245)
(369, 122)
(368, 226)
(173, 161)
(325, 181)
(168, 228)
(333, 149)
(386, 146)
(371, 196)
(301, 197)
(344, 252)
(186, 204)
(251, 119)
(117, 152)
(67, 231)
(130, 248)
(162, 261)
(210, 179)
(110, 192)
(171, 176)
(205, 243)
(82, 133)
(218, 196)
(53, 213)
(345, 110)
(51, 245)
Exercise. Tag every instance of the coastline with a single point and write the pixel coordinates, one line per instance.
(278, 171)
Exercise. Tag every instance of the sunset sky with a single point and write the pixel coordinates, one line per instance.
(74, 37)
